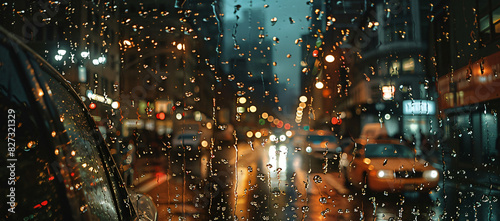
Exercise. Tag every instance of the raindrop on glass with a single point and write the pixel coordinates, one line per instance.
(317, 179)
(322, 200)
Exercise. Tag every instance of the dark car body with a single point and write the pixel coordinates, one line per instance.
(57, 164)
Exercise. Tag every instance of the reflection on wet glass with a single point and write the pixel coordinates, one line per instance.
(310, 110)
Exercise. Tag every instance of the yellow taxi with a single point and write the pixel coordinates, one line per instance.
(386, 165)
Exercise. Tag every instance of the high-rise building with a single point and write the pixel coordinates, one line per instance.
(388, 77)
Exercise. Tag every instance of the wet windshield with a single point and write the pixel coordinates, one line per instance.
(250, 110)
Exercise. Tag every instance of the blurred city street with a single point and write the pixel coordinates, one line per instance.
(250, 110)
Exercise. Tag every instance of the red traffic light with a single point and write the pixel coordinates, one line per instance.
(160, 116)
(92, 106)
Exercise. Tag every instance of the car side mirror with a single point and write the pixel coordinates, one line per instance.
(144, 205)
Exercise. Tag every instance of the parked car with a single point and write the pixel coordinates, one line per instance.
(57, 164)
(386, 165)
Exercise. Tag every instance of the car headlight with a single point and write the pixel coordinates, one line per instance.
(385, 174)
(431, 174)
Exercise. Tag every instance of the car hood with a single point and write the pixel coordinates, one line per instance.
(399, 164)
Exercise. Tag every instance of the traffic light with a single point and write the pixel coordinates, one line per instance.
(92, 106)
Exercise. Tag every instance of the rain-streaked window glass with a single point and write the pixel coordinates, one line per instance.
(270, 110)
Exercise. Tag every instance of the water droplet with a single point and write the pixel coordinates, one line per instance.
(305, 209)
(274, 20)
(250, 169)
(192, 186)
(277, 40)
(485, 199)
(322, 200)
(261, 177)
(453, 153)
(317, 179)
(276, 192)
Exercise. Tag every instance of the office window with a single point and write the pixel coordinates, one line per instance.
(489, 20)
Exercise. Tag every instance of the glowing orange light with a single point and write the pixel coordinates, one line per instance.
(92, 106)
